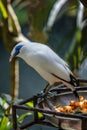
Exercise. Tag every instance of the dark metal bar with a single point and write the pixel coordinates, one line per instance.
(51, 112)
(84, 124)
(81, 80)
(27, 125)
(45, 123)
(39, 95)
(25, 101)
(14, 117)
(41, 122)
(59, 125)
(61, 87)
(64, 89)
(35, 112)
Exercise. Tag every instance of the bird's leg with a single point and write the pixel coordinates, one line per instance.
(47, 88)
(76, 94)
(47, 92)
(43, 94)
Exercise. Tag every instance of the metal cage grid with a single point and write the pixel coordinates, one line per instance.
(37, 120)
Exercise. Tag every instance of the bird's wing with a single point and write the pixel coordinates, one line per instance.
(49, 61)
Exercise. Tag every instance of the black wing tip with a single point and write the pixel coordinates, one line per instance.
(74, 81)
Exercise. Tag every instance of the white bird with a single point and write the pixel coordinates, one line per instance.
(47, 63)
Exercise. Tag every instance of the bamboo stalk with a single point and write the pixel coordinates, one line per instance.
(11, 36)
(14, 78)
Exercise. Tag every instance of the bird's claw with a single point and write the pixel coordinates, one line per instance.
(44, 95)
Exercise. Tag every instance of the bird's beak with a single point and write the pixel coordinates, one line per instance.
(10, 59)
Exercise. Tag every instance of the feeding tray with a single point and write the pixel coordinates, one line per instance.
(67, 121)
(61, 96)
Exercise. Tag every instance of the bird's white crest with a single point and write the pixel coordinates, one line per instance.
(46, 62)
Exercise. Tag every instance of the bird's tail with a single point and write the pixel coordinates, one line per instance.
(72, 83)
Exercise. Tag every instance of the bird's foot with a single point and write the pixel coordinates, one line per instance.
(49, 94)
(45, 95)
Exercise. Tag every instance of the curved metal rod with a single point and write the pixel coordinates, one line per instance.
(80, 80)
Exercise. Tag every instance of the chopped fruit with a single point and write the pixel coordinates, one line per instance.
(74, 107)
(68, 109)
(60, 109)
(81, 98)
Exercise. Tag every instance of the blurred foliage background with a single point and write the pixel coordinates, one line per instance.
(61, 24)
(43, 17)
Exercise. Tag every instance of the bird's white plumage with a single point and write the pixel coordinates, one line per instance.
(45, 61)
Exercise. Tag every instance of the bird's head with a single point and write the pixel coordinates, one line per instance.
(16, 51)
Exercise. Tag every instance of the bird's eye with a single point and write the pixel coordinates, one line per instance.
(17, 49)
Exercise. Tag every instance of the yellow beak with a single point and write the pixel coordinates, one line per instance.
(10, 59)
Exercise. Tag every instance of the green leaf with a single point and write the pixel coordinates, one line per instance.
(5, 123)
(23, 116)
(40, 114)
(79, 53)
(30, 104)
(22, 16)
(79, 35)
(75, 61)
(3, 10)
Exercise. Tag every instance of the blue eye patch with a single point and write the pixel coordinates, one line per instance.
(17, 49)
